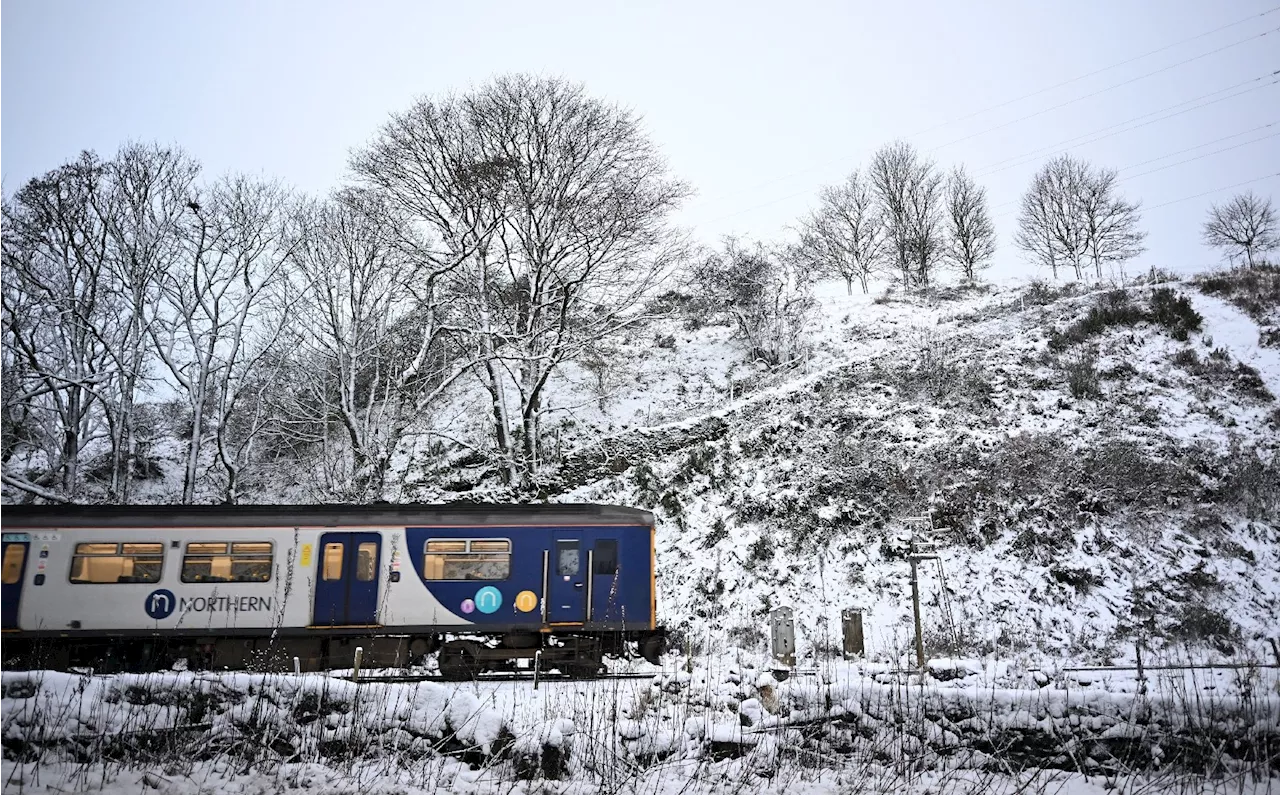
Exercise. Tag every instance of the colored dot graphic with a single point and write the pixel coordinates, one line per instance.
(488, 599)
(526, 601)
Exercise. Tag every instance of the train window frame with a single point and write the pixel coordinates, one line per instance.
(85, 550)
(463, 547)
(205, 548)
(600, 565)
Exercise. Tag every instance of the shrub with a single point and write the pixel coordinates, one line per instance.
(762, 548)
(1081, 370)
(1174, 312)
(1195, 621)
(1114, 308)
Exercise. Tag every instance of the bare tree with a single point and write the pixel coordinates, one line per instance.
(1036, 224)
(1071, 213)
(552, 208)
(215, 296)
(1245, 227)
(925, 231)
(909, 190)
(971, 235)
(845, 235)
(1111, 222)
(372, 340)
(145, 196)
(434, 168)
(59, 320)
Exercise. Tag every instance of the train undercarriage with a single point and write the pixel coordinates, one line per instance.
(579, 654)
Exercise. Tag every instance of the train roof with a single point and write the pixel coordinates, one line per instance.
(438, 514)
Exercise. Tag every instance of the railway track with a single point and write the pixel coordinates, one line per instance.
(501, 676)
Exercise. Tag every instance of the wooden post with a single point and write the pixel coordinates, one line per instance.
(537, 667)
(854, 643)
(297, 665)
(355, 672)
(915, 606)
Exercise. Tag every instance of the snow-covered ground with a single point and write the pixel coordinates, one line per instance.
(721, 723)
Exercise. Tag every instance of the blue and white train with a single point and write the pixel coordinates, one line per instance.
(487, 586)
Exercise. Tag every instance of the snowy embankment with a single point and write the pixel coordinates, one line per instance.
(1232, 329)
(706, 725)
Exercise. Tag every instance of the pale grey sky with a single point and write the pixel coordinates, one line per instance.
(755, 105)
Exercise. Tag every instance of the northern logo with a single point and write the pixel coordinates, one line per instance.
(160, 604)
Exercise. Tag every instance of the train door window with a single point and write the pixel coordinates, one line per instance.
(605, 557)
(117, 563)
(332, 569)
(567, 555)
(14, 555)
(366, 561)
(467, 559)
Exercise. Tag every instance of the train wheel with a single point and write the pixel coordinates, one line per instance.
(420, 648)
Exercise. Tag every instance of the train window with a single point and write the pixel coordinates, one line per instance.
(467, 559)
(222, 561)
(108, 563)
(14, 554)
(567, 554)
(332, 569)
(366, 561)
(605, 559)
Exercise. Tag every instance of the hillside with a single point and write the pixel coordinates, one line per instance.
(1101, 465)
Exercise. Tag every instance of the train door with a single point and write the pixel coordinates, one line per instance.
(347, 579)
(567, 595)
(13, 565)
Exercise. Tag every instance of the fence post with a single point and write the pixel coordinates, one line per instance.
(297, 665)
(854, 642)
(355, 672)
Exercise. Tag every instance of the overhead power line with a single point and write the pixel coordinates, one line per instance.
(1130, 81)
(1041, 112)
(1198, 146)
(1103, 133)
(1095, 72)
(1200, 157)
(1215, 190)
(1174, 154)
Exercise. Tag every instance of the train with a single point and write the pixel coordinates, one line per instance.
(479, 587)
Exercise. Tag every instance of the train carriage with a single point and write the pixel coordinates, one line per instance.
(228, 586)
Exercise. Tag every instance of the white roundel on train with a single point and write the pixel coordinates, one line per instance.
(160, 604)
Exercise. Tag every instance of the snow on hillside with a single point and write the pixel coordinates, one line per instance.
(1091, 491)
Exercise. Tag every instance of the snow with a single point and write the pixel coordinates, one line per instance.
(765, 517)
(669, 734)
(1238, 333)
